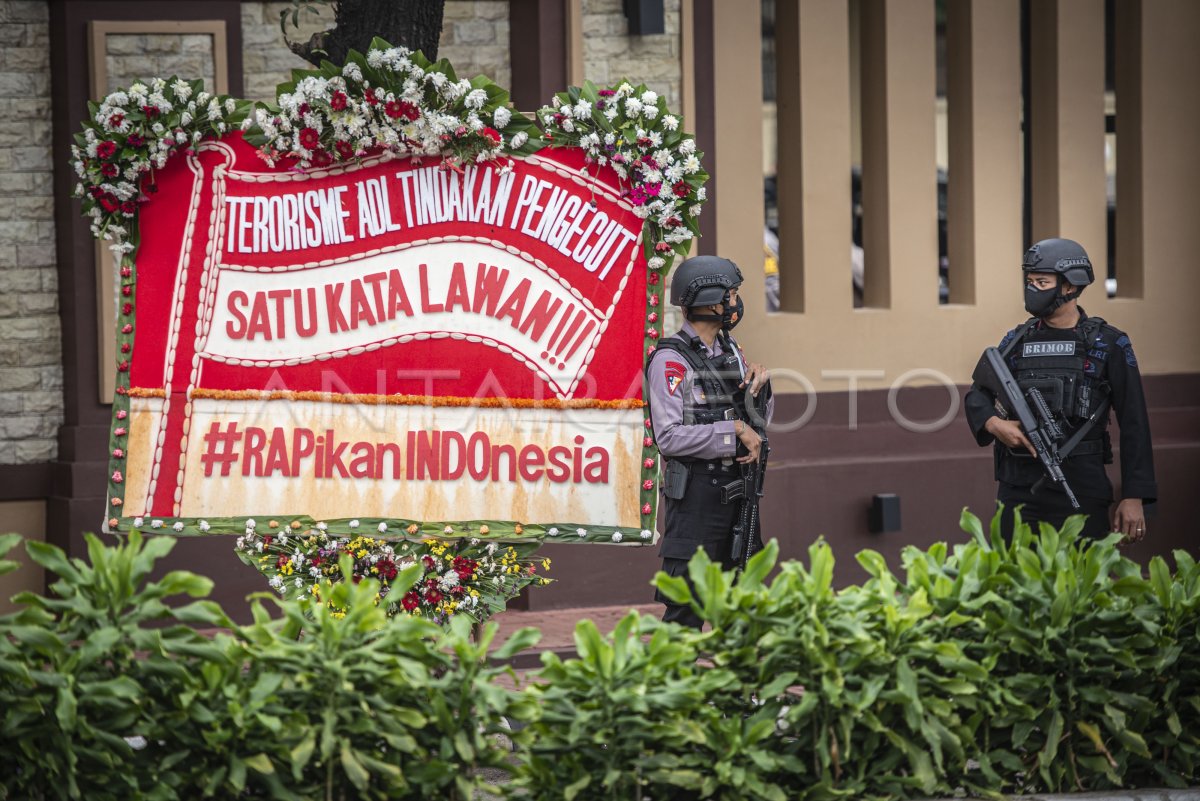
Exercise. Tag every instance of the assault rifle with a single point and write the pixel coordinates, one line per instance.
(747, 491)
(1039, 425)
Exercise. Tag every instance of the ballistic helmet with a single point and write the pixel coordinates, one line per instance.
(703, 281)
(1063, 257)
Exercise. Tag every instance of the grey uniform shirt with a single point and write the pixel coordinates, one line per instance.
(669, 376)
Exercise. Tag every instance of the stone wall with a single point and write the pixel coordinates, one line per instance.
(474, 39)
(131, 57)
(610, 54)
(30, 340)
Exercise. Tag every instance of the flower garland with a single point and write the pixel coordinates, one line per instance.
(391, 99)
(457, 577)
(631, 130)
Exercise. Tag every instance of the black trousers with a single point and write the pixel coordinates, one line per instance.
(1051, 506)
(697, 521)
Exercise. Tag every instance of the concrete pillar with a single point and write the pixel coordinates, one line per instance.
(814, 154)
(899, 154)
(984, 194)
(1067, 119)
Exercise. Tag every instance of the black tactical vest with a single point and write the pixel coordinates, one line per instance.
(718, 377)
(1063, 365)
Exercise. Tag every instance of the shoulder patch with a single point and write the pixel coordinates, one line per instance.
(1124, 344)
(674, 373)
(1008, 338)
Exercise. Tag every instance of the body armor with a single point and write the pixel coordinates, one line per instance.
(717, 376)
(1067, 367)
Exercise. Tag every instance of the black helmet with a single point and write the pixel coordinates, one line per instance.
(703, 281)
(1063, 257)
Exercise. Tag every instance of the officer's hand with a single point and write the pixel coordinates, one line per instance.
(753, 442)
(1009, 432)
(756, 377)
(1130, 520)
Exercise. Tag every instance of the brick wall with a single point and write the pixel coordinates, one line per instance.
(30, 342)
(610, 54)
(474, 39)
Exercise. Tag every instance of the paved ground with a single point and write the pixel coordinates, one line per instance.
(558, 627)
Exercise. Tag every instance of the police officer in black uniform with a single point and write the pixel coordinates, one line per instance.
(1084, 367)
(702, 391)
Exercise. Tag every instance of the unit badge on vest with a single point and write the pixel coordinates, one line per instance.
(674, 372)
(1066, 348)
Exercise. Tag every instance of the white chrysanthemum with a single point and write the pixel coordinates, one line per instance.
(230, 105)
(203, 525)
(641, 212)
(691, 165)
(687, 147)
(633, 107)
(702, 193)
(277, 583)
(352, 71)
(582, 532)
(616, 537)
(649, 98)
(178, 526)
(610, 113)
(582, 110)
(674, 173)
(624, 90)
(375, 59)
(655, 263)
(353, 523)
(156, 524)
(321, 526)
(670, 122)
(694, 210)
(475, 99)
(553, 532)
(137, 521)
(501, 117)
(382, 527)
(650, 112)
(646, 534)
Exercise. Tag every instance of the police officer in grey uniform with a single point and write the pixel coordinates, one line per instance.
(702, 394)
(1084, 367)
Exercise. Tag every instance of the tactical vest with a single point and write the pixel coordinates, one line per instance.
(718, 377)
(1067, 367)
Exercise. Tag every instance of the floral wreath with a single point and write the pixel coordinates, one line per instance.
(391, 99)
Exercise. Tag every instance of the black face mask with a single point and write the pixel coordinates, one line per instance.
(1044, 302)
(732, 317)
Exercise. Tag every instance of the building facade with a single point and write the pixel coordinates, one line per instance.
(970, 127)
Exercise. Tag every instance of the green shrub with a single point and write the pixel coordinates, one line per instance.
(107, 692)
(1045, 664)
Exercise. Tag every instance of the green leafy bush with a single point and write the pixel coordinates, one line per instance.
(107, 692)
(1045, 664)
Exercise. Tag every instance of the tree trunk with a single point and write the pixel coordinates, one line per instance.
(415, 24)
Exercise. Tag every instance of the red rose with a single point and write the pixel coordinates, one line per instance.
(123, 367)
(648, 463)
(410, 601)
(648, 484)
(338, 101)
(646, 509)
(648, 442)
(126, 272)
(106, 149)
(127, 308)
(652, 333)
(310, 139)
(126, 348)
(652, 317)
(491, 134)
(652, 279)
(345, 150)
(127, 329)
(127, 290)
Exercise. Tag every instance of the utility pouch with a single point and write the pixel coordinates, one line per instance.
(675, 480)
(1053, 389)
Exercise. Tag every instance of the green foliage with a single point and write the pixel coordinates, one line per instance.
(109, 693)
(1045, 664)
